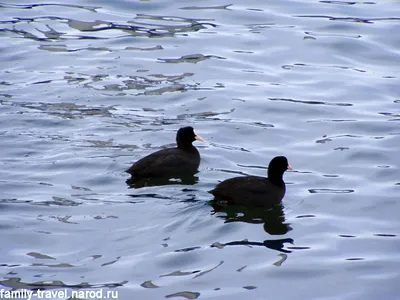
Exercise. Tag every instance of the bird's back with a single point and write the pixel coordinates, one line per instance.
(249, 191)
(166, 162)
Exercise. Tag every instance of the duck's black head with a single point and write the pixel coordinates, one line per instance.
(277, 167)
(186, 136)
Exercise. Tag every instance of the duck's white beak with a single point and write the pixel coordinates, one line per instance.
(199, 138)
(289, 167)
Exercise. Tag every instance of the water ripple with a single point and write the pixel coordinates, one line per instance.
(331, 191)
(310, 102)
(350, 19)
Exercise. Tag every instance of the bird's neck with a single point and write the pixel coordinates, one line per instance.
(276, 179)
(186, 146)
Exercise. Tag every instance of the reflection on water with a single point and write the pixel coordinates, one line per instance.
(30, 6)
(349, 19)
(159, 181)
(144, 26)
(310, 102)
(277, 245)
(54, 34)
(149, 285)
(16, 283)
(185, 294)
(272, 218)
(333, 191)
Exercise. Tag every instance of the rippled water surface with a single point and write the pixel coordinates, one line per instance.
(89, 87)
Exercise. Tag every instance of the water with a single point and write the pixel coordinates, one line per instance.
(88, 87)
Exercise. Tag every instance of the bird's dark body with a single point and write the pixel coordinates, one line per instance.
(255, 190)
(167, 163)
(178, 162)
(249, 191)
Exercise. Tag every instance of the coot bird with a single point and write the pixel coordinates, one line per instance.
(170, 162)
(255, 190)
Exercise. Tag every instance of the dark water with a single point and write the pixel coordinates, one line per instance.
(89, 87)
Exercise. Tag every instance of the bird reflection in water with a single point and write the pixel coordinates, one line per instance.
(159, 181)
(272, 218)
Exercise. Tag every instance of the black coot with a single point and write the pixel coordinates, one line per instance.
(170, 162)
(255, 190)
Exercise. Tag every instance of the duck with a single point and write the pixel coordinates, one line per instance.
(254, 191)
(182, 160)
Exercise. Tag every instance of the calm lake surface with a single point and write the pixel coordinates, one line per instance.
(89, 87)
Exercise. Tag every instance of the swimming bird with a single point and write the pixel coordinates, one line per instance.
(255, 190)
(171, 162)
